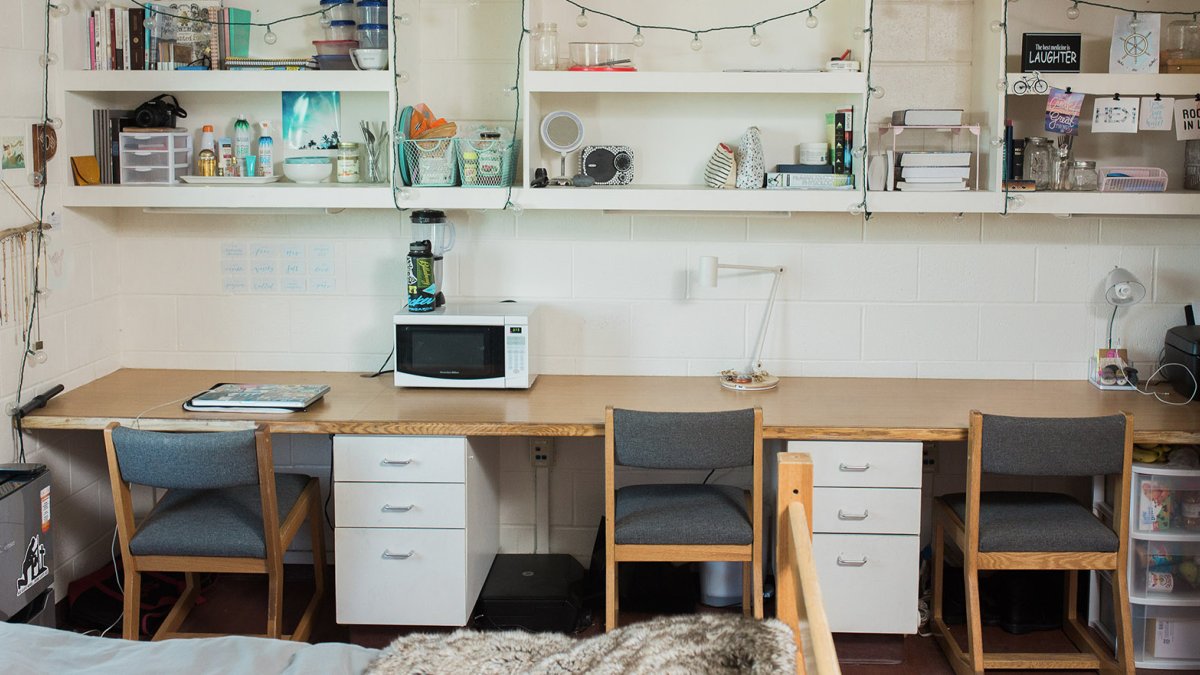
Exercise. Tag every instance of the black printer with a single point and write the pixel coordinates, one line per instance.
(1183, 348)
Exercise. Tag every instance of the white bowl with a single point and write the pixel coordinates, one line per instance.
(308, 173)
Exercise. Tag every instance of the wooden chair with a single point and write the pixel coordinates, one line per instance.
(690, 522)
(225, 510)
(1038, 531)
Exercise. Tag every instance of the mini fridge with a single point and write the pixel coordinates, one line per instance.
(26, 545)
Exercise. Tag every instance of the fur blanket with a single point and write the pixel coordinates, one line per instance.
(701, 643)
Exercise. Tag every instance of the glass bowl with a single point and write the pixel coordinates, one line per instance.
(611, 56)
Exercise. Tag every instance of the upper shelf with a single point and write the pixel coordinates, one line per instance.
(1131, 84)
(651, 82)
(685, 198)
(225, 80)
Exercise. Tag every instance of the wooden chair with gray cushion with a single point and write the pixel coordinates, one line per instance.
(225, 510)
(683, 522)
(1038, 531)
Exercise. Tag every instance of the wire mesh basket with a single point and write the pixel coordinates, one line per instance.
(1133, 179)
(486, 162)
(429, 163)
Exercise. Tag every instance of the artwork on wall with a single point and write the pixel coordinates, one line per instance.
(1062, 112)
(1187, 120)
(311, 119)
(13, 152)
(1157, 113)
(1115, 116)
(1135, 43)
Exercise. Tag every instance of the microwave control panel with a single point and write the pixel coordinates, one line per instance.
(515, 344)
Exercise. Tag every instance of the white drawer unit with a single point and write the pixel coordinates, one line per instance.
(416, 528)
(866, 532)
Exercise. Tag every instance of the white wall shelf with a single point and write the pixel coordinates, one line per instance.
(1171, 203)
(274, 196)
(182, 81)
(686, 198)
(1126, 84)
(898, 201)
(695, 83)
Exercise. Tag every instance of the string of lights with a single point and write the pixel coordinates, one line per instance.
(1073, 10)
(861, 152)
(270, 38)
(697, 44)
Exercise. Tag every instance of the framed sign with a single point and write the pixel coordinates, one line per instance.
(1051, 52)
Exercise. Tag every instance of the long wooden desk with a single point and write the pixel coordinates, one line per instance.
(561, 405)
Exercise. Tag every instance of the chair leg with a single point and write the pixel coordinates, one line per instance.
(181, 608)
(756, 588)
(133, 602)
(1124, 651)
(275, 601)
(747, 590)
(974, 621)
(610, 594)
(317, 529)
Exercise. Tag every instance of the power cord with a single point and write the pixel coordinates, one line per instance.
(1155, 394)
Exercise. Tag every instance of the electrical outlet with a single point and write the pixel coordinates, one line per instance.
(541, 451)
(929, 457)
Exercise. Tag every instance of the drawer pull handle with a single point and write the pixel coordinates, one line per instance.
(854, 467)
(842, 515)
(395, 462)
(388, 508)
(851, 563)
(388, 555)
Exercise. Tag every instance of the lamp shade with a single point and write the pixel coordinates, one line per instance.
(708, 270)
(1122, 288)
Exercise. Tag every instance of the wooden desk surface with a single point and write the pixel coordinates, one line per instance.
(562, 405)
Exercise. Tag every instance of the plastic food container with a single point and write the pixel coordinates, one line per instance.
(372, 12)
(337, 10)
(334, 47)
(614, 56)
(815, 154)
(373, 36)
(335, 62)
(339, 30)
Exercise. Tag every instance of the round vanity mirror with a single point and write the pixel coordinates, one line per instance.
(562, 132)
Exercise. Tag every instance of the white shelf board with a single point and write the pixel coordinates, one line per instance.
(1170, 203)
(967, 201)
(685, 198)
(453, 198)
(180, 81)
(273, 196)
(1126, 84)
(651, 82)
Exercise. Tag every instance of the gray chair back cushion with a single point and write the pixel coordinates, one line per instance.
(1050, 446)
(189, 461)
(684, 440)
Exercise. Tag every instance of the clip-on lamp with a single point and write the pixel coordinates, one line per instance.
(752, 377)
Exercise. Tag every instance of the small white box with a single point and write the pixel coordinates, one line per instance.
(155, 156)
(1175, 638)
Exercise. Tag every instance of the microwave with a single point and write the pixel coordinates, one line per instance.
(474, 346)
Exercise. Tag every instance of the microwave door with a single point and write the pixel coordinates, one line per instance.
(450, 352)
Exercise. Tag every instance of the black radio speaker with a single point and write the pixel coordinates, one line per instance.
(608, 164)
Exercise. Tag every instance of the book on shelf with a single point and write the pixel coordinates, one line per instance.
(935, 158)
(839, 132)
(935, 172)
(927, 117)
(143, 37)
(910, 186)
(282, 397)
(107, 126)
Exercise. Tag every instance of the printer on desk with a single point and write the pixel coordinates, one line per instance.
(1182, 347)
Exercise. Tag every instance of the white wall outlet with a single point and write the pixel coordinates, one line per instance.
(541, 451)
(929, 457)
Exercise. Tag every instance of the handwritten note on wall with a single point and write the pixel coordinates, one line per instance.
(278, 267)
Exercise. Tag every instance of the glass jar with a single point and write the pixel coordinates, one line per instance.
(1182, 39)
(1083, 176)
(348, 163)
(1037, 162)
(544, 46)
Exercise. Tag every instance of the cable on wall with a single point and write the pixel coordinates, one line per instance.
(869, 36)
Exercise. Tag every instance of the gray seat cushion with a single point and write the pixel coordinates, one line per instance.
(682, 514)
(1035, 521)
(225, 522)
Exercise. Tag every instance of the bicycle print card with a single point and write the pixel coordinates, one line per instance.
(1135, 43)
(1062, 112)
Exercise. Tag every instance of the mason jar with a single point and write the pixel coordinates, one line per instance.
(1083, 177)
(1038, 167)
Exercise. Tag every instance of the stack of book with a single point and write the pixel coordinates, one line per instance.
(265, 398)
(107, 126)
(148, 37)
(932, 171)
(836, 174)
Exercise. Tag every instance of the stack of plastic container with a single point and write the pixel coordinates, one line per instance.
(333, 53)
(372, 24)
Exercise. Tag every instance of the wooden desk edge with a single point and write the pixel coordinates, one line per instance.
(577, 429)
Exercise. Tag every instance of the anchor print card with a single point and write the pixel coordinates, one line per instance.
(1135, 43)
(1115, 116)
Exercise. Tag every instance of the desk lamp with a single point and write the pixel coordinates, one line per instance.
(1111, 369)
(752, 377)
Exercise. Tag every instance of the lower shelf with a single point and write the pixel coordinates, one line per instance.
(1171, 203)
(968, 201)
(272, 196)
(686, 198)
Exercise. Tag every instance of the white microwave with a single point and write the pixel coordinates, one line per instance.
(483, 346)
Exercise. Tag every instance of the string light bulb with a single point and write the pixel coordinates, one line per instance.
(60, 9)
(1017, 201)
(858, 33)
(516, 208)
(859, 152)
(996, 26)
(638, 39)
(877, 91)
(39, 356)
(47, 59)
(1073, 11)
(697, 45)
(582, 20)
(405, 19)
(755, 39)
(1002, 84)
(811, 21)
(36, 178)
(326, 20)
(402, 77)
(270, 37)
(54, 122)
(856, 209)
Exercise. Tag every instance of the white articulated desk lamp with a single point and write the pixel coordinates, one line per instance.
(752, 377)
(1108, 368)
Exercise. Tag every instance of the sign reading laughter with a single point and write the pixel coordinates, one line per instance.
(1051, 52)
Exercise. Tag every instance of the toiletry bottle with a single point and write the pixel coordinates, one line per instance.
(207, 142)
(226, 162)
(241, 137)
(266, 166)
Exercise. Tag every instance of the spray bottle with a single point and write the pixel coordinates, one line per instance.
(266, 166)
(241, 138)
